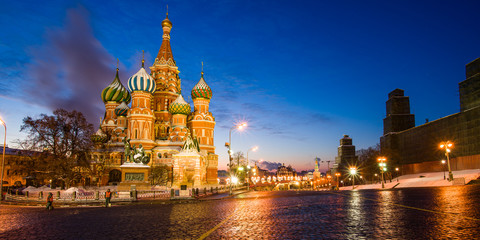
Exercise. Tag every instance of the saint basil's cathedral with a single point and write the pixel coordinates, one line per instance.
(159, 120)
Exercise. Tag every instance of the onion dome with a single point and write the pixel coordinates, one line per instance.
(116, 92)
(141, 81)
(121, 110)
(201, 90)
(99, 137)
(179, 106)
(166, 22)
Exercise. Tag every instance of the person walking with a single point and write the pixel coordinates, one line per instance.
(50, 201)
(108, 196)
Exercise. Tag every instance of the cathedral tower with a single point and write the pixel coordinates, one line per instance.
(179, 110)
(112, 96)
(140, 117)
(201, 121)
(165, 72)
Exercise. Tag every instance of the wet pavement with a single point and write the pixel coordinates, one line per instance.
(415, 213)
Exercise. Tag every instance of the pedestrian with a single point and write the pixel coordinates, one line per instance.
(108, 195)
(50, 201)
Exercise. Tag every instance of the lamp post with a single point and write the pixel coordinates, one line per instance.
(254, 149)
(448, 145)
(353, 172)
(383, 167)
(337, 174)
(443, 164)
(396, 170)
(248, 177)
(3, 158)
(328, 165)
(229, 146)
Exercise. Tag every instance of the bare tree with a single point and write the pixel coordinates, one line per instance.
(64, 142)
(238, 159)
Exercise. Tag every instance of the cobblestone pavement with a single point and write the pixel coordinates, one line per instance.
(421, 213)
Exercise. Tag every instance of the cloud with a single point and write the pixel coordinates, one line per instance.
(268, 165)
(71, 68)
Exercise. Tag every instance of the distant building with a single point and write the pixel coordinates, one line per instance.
(18, 166)
(416, 149)
(286, 173)
(346, 155)
(316, 172)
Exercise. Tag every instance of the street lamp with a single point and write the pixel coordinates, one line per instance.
(248, 177)
(396, 170)
(337, 174)
(383, 167)
(229, 146)
(447, 145)
(443, 163)
(3, 158)
(328, 165)
(255, 148)
(353, 172)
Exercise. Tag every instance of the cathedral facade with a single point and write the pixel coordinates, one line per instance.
(152, 113)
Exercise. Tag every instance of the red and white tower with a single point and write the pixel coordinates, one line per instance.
(140, 117)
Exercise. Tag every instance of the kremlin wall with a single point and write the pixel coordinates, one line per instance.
(416, 148)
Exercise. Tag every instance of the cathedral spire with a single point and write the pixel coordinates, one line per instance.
(143, 59)
(165, 50)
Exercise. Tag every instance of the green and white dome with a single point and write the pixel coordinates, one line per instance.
(116, 92)
(179, 106)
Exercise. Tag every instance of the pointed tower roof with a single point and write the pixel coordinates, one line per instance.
(165, 55)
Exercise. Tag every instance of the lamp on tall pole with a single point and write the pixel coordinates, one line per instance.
(229, 146)
(443, 164)
(383, 167)
(396, 170)
(328, 165)
(447, 145)
(3, 158)
(254, 149)
(338, 178)
(353, 172)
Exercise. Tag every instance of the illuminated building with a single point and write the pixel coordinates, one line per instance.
(158, 118)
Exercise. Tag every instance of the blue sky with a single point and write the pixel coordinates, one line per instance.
(301, 73)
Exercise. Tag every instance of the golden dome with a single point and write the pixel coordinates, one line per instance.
(166, 23)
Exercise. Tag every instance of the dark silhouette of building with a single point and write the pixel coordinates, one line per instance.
(416, 149)
(346, 156)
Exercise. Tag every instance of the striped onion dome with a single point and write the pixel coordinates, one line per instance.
(201, 90)
(121, 110)
(179, 106)
(141, 81)
(99, 137)
(116, 92)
